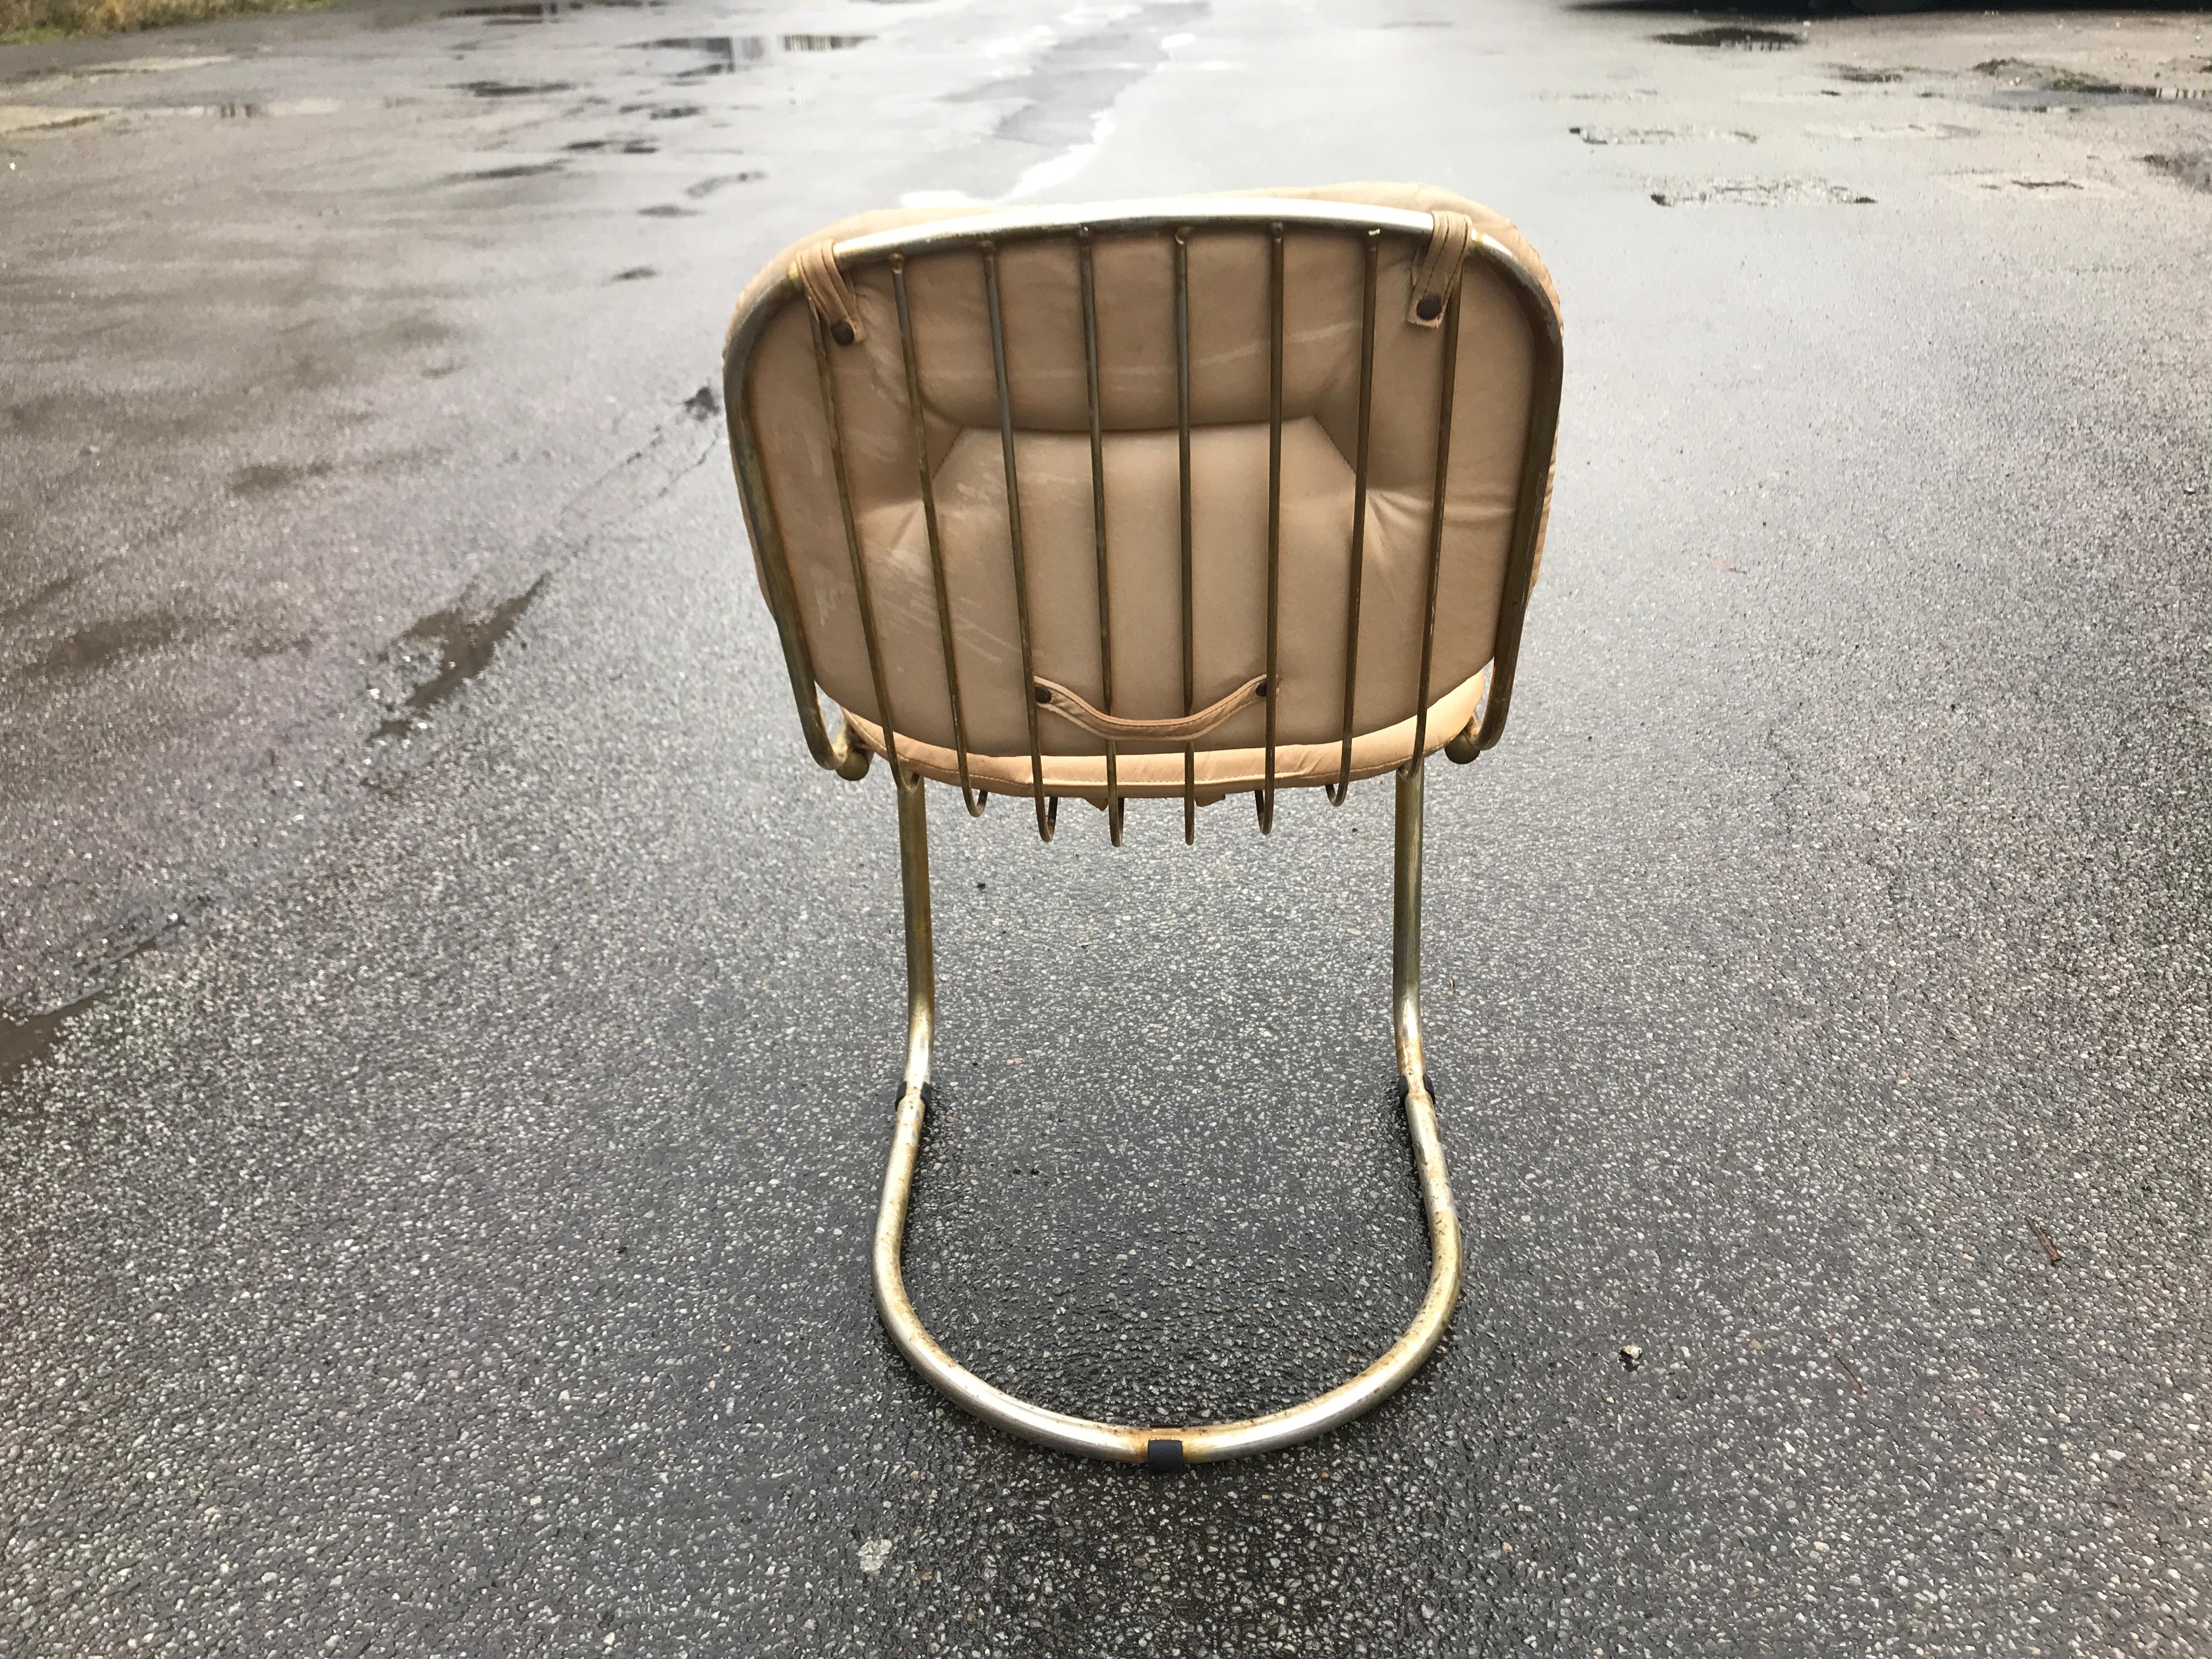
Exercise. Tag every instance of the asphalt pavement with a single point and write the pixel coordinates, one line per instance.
(450, 1027)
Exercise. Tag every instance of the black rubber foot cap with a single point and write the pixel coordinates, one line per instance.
(1165, 1455)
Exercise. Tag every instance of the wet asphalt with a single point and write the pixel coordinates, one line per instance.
(451, 1028)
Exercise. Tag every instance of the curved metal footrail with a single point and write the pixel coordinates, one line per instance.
(1155, 1445)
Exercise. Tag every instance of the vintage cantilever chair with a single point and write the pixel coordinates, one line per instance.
(1182, 498)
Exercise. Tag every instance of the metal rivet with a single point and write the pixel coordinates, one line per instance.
(841, 332)
(1430, 307)
(1043, 696)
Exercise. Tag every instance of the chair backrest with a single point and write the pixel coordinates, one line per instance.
(1153, 498)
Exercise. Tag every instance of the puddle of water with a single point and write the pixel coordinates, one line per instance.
(723, 52)
(142, 66)
(264, 476)
(1663, 135)
(23, 1039)
(250, 111)
(669, 210)
(1734, 38)
(707, 187)
(456, 645)
(620, 146)
(2047, 86)
(545, 11)
(514, 88)
(634, 274)
(1760, 192)
(1867, 77)
(42, 117)
(2192, 167)
(102, 644)
(1901, 130)
(2050, 186)
(519, 170)
(38, 596)
(824, 42)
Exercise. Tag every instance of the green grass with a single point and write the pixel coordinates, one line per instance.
(26, 22)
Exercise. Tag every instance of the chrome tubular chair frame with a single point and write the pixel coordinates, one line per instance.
(844, 752)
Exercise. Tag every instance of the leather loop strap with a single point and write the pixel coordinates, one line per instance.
(814, 269)
(1449, 236)
(1179, 729)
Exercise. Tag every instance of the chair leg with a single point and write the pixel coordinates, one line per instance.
(1169, 1447)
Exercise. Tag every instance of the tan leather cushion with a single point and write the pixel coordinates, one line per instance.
(1229, 333)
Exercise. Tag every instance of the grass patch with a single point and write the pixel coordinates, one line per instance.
(26, 22)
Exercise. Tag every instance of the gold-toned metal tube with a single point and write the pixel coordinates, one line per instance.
(1182, 457)
(835, 752)
(929, 525)
(1099, 522)
(1445, 391)
(829, 379)
(1275, 307)
(1405, 926)
(921, 950)
(1205, 1443)
(1044, 820)
(1540, 438)
(1337, 791)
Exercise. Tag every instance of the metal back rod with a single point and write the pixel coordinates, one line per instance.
(1445, 399)
(1275, 510)
(866, 601)
(1088, 284)
(1182, 458)
(1044, 818)
(967, 797)
(1343, 784)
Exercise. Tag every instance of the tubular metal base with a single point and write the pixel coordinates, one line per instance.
(1169, 1447)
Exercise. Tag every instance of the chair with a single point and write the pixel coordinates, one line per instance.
(1182, 498)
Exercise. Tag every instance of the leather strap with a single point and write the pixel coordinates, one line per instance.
(1179, 729)
(814, 269)
(1450, 235)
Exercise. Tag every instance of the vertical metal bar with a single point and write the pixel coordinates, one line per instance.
(853, 541)
(1406, 930)
(1337, 791)
(840, 752)
(990, 252)
(1182, 456)
(1540, 438)
(1274, 506)
(1099, 522)
(929, 520)
(1445, 397)
(921, 960)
